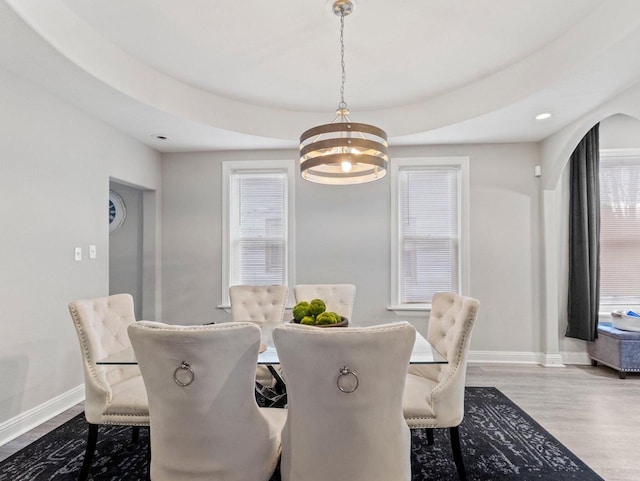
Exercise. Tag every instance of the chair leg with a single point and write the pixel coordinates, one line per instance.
(135, 433)
(429, 436)
(92, 440)
(457, 453)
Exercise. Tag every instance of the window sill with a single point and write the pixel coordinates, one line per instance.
(227, 307)
(408, 309)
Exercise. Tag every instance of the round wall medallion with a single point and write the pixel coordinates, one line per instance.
(117, 211)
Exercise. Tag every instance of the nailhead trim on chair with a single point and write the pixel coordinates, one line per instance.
(113, 423)
(617, 368)
(87, 353)
(223, 325)
(423, 425)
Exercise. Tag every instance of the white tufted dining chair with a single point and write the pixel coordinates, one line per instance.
(259, 304)
(434, 393)
(205, 423)
(339, 298)
(113, 394)
(345, 436)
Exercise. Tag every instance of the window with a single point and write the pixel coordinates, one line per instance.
(620, 227)
(257, 214)
(429, 232)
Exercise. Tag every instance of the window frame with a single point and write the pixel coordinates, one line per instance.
(428, 163)
(606, 308)
(231, 167)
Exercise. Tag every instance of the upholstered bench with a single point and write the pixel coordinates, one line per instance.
(616, 348)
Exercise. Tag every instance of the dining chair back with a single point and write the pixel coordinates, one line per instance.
(258, 303)
(205, 422)
(344, 388)
(434, 393)
(113, 394)
(339, 298)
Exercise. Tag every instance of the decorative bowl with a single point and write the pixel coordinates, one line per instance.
(344, 323)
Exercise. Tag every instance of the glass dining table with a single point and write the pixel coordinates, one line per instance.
(422, 353)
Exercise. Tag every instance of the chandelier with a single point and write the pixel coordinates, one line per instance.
(343, 152)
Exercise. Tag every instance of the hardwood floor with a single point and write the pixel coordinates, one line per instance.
(589, 409)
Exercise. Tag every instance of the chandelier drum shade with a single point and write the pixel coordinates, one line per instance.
(343, 152)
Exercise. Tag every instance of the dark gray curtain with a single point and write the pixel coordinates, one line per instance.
(584, 238)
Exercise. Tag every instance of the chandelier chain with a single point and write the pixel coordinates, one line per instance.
(343, 104)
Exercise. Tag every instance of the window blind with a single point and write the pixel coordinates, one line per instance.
(620, 230)
(429, 233)
(258, 228)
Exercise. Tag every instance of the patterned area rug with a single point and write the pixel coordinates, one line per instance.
(499, 442)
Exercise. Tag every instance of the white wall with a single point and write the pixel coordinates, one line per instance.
(55, 164)
(343, 235)
(620, 132)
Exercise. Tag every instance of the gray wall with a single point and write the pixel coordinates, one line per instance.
(343, 235)
(55, 165)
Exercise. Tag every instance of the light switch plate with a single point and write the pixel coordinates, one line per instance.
(92, 251)
(78, 253)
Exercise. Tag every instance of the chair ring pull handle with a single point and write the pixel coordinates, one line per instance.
(184, 367)
(345, 371)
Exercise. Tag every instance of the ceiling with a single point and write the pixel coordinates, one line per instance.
(252, 74)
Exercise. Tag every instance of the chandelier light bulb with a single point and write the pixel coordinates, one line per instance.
(346, 166)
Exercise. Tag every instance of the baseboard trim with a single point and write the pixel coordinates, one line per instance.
(507, 357)
(552, 360)
(524, 357)
(20, 424)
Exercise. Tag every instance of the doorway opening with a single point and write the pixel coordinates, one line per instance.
(132, 245)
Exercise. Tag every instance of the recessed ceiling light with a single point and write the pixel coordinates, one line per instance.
(543, 116)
